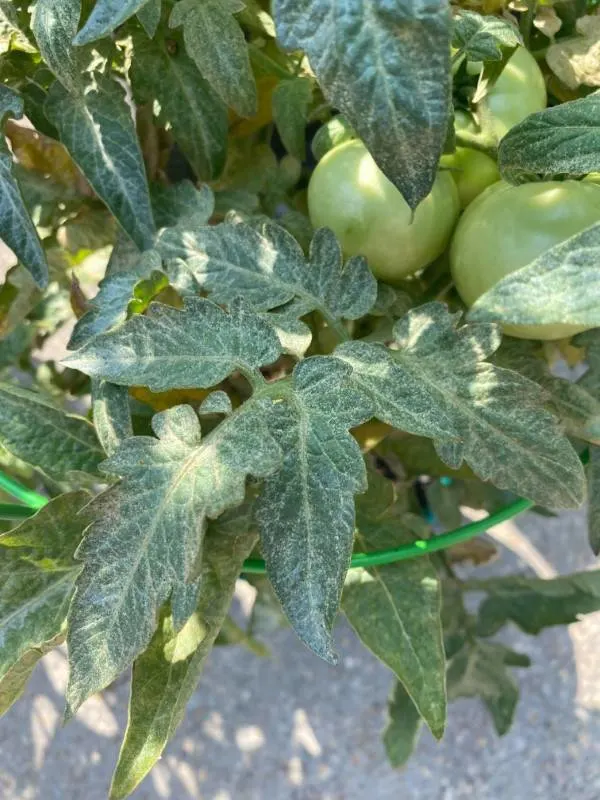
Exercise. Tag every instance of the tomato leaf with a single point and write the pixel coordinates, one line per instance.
(395, 610)
(479, 670)
(386, 67)
(437, 384)
(147, 534)
(568, 278)
(188, 104)
(306, 510)
(482, 38)
(536, 603)
(291, 101)
(266, 265)
(577, 409)
(34, 430)
(149, 16)
(106, 16)
(97, 130)
(403, 727)
(54, 24)
(14, 681)
(166, 674)
(174, 205)
(216, 43)
(16, 227)
(594, 503)
(37, 572)
(564, 139)
(112, 416)
(169, 348)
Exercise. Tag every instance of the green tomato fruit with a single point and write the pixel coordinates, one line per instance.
(350, 194)
(508, 227)
(471, 170)
(519, 91)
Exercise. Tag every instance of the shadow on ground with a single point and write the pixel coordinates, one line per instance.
(294, 728)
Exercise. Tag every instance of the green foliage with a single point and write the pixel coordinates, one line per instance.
(482, 38)
(244, 389)
(564, 139)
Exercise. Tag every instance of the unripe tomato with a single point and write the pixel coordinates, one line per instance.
(350, 194)
(471, 170)
(508, 227)
(519, 91)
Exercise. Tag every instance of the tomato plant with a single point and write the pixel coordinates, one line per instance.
(284, 360)
(349, 194)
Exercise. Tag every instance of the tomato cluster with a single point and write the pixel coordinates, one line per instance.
(503, 227)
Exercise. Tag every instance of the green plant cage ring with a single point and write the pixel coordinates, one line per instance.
(420, 547)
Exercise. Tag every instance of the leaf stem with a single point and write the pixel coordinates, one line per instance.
(477, 141)
(254, 377)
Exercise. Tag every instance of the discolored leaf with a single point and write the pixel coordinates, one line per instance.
(564, 139)
(291, 101)
(438, 384)
(395, 610)
(54, 24)
(566, 276)
(13, 684)
(264, 264)
(16, 227)
(106, 16)
(147, 533)
(181, 204)
(98, 131)
(37, 574)
(112, 416)
(168, 348)
(578, 409)
(536, 603)
(216, 43)
(386, 67)
(34, 430)
(166, 674)
(403, 727)
(481, 38)
(306, 510)
(197, 115)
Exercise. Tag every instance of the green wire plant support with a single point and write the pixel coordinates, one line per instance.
(33, 502)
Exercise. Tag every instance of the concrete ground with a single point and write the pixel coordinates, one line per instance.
(293, 728)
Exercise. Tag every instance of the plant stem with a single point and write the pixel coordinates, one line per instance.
(477, 141)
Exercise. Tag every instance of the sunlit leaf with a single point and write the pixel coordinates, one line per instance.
(306, 510)
(216, 43)
(105, 17)
(168, 348)
(438, 384)
(145, 542)
(166, 674)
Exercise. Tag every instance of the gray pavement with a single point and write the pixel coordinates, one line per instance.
(293, 728)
